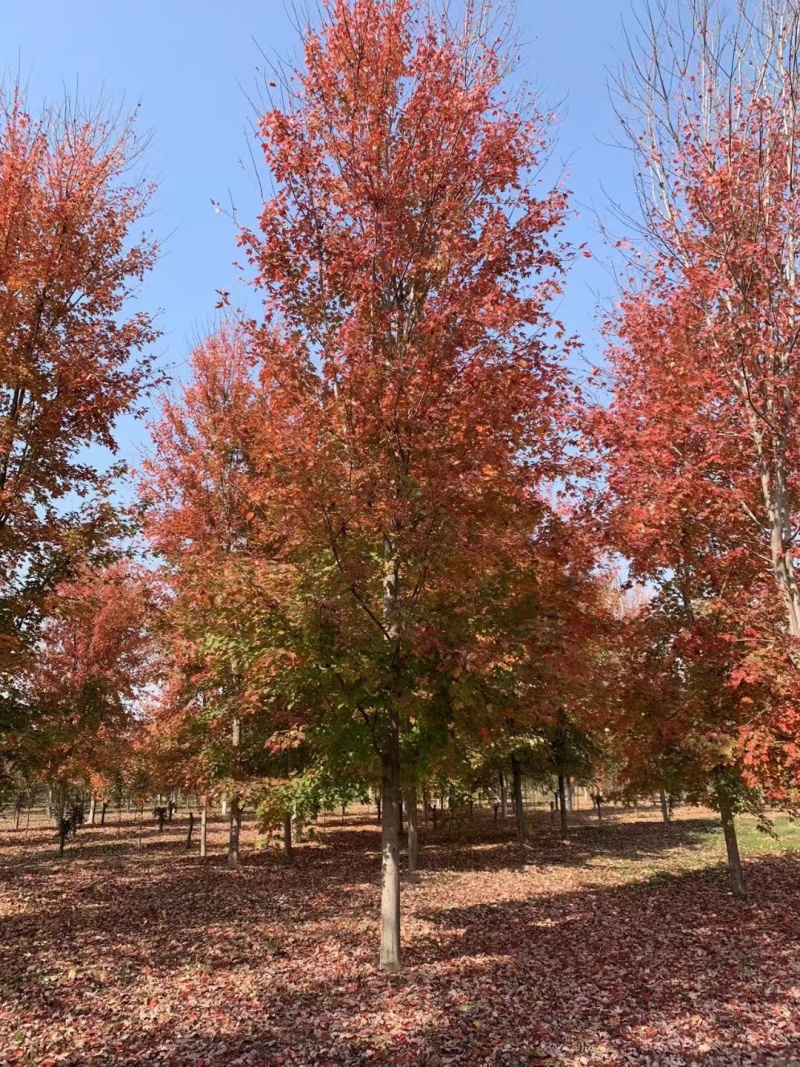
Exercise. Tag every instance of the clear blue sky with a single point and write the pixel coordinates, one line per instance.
(191, 64)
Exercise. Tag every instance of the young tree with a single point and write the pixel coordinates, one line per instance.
(417, 405)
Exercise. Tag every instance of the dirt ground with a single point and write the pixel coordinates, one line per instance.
(623, 946)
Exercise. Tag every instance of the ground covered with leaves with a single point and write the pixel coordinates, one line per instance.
(623, 946)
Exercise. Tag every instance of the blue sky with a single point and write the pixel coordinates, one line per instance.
(191, 65)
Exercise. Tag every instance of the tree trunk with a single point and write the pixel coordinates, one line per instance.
(503, 797)
(204, 830)
(59, 802)
(390, 958)
(519, 810)
(776, 500)
(732, 847)
(92, 809)
(413, 846)
(191, 830)
(287, 836)
(235, 827)
(664, 807)
(562, 806)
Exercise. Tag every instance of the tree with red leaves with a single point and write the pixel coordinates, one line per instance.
(194, 495)
(416, 405)
(94, 660)
(701, 438)
(70, 361)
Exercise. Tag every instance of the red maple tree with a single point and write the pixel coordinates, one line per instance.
(415, 404)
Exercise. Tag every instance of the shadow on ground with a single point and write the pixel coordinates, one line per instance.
(591, 953)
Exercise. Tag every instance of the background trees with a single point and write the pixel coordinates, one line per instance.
(700, 435)
(71, 359)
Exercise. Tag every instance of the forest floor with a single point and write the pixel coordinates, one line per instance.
(623, 946)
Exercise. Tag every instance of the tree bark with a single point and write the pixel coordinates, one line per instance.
(519, 810)
(732, 847)
(103, 813)
(190, 832)
(413, 845)
(503, 797)
(562, 806)
(233, 838)
(59, 802)
(390, 957)
(204, 830)
(92, 809)
(287, 836)
(664, 806)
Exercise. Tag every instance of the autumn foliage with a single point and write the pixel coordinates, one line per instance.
(386, 546)
(72, 356)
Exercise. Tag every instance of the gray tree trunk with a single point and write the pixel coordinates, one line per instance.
(233, 838)
(732, 848)
(664, 806)
(519, 809)
(562, 806)
(287, 836)
(503, 797)
(390, 956)
(413, 844)
(204, 830)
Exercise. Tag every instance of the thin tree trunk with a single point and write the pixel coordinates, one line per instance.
(235, 827)
(732, 847)
(664, 806)
(103, 813)
(59, 804)
(562, 806)
(519, 810)
(287, 836)
(503, 797)
(390, 957)
(191, 829)
(204, 830)
(236, 812)
(92, 809)
(413, 845)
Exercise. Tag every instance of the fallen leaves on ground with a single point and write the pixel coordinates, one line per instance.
(622, 947)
